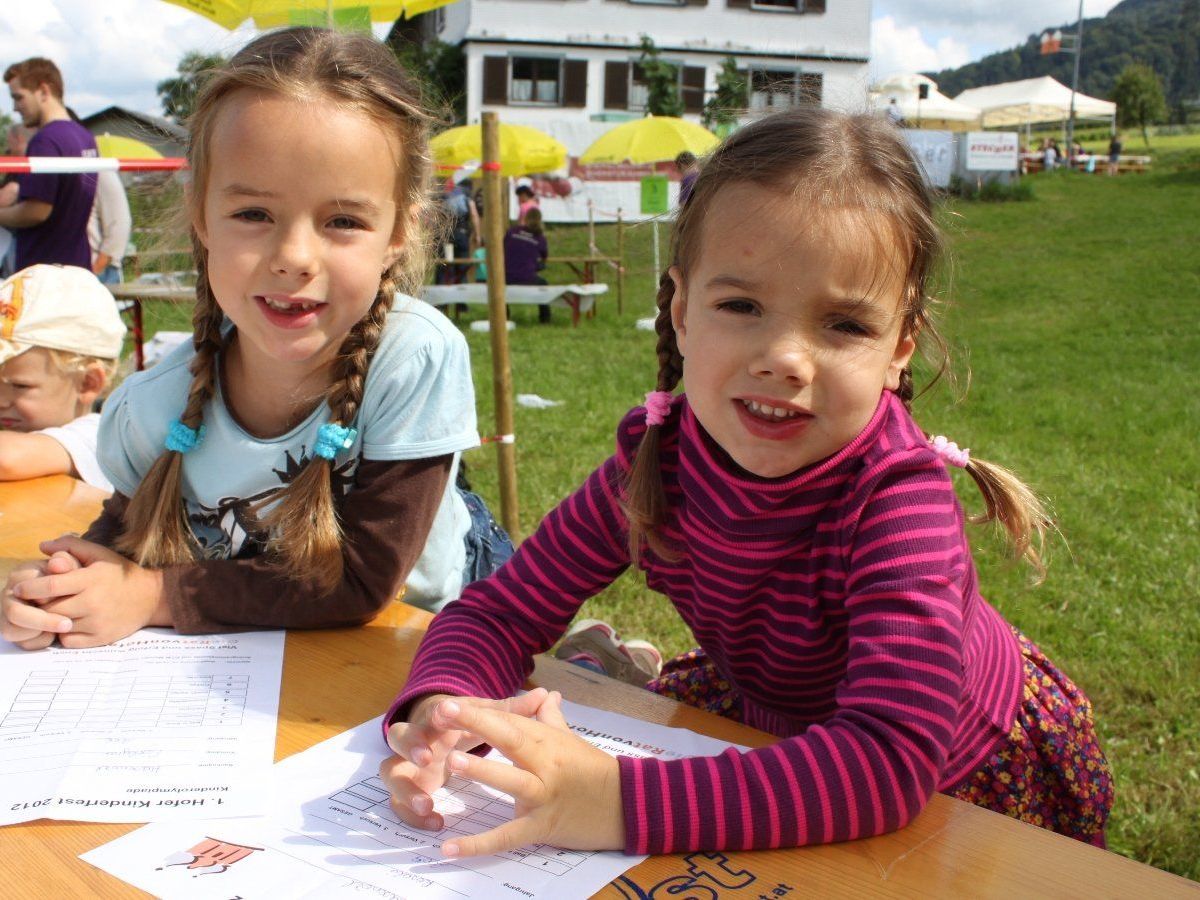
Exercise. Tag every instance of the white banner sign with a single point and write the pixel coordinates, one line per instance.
(934, 151)
(992, 151)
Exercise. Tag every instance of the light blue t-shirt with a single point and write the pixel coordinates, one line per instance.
(418, 402)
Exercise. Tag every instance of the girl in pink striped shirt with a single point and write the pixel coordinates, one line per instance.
(805, 528)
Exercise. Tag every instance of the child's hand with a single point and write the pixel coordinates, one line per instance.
(106, 598)
(24, 624)
(422, 745)
(567, 792)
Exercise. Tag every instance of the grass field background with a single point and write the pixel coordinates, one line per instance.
(1075, 321)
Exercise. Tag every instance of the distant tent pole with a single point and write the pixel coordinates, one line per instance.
(1075, 80)
(495, 221)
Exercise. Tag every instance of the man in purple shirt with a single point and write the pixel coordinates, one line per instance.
(50, 212)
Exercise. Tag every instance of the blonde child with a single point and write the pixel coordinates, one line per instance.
(293, 465)
(806, 530)
(60, 339)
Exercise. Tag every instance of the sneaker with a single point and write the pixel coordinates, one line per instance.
(595, 644)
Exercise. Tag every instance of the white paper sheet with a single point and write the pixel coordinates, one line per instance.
(158, 726)
(332, 833)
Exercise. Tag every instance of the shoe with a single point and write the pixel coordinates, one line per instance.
(595, 644)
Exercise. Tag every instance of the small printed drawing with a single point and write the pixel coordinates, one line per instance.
(209, 857)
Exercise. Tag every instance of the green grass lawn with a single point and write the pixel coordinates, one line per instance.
(1077, 316)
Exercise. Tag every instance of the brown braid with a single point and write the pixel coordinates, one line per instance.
(645, 501)
(155, 531)
(306, 534)
(828, 162)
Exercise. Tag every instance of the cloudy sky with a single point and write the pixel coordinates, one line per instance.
(115, 51)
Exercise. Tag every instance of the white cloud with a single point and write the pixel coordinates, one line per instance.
(112, 52)
(896, 48)
(927, 35)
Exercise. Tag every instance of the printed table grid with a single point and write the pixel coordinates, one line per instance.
(54, 699)
(480, 809)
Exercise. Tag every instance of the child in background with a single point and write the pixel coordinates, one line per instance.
(805, 528)
(526, 201)
(293, 466)
(60, 340)
(525, 252)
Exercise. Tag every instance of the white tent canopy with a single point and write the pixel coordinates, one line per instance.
(1031, 101)
(937, 107)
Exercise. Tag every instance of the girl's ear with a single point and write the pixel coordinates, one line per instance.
(406, 226)
(905, 347)
(678, 309)
(196, 218)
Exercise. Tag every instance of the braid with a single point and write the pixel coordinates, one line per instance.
(307, 535)
(155, 531)
(645, 501)
(670, 363)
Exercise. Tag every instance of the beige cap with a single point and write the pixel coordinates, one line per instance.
(61, 308)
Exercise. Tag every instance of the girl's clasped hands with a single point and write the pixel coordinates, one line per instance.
(566, 791)
(72, 595)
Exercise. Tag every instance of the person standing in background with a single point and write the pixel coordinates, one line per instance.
(50, 212)
(109, 227)
(18, 140)
(1114, 154)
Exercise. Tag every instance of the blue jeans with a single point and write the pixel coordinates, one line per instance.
(488, 545)
(110, 275)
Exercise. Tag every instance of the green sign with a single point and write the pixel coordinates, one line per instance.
(654, 194)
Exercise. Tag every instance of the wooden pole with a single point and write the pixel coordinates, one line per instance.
(620, 262)
(495, 218)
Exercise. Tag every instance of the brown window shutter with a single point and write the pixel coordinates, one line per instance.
(616, 85)
(574, 82)
(737, 4)
(811, 85)
(495, 80)
(693, 89)
(814, 6)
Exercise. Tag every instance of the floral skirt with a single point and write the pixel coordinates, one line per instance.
(1049, 771)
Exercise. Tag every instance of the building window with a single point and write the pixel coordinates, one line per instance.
(534, 80)
(773, 89)
(780, 5)
(625, 86)
(639, 91)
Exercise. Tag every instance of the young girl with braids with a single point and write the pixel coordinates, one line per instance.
(806, 530)
(293, 466)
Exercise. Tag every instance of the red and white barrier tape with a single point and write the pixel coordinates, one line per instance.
(83, 165)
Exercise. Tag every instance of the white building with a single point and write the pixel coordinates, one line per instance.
(555, 61)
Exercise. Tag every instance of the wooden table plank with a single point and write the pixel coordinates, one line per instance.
(335, 679)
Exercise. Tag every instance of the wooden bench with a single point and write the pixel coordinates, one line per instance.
(578, 298)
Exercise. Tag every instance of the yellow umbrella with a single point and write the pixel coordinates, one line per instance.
(649, 140)
(274, 13)
(119, 147)
(523, 150)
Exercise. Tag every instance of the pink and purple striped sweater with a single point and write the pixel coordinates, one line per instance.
(840, 602)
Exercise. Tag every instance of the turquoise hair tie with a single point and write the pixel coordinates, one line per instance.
(331, 438)
(181, 439)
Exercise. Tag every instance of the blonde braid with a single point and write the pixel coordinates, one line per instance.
(156, 531)
(306, 532)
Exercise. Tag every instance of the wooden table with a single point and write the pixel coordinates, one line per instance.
(135, 294)
(334, 680)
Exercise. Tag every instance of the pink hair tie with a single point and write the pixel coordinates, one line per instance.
(658, 404)
(949, 452)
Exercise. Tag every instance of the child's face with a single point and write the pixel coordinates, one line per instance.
(36, 394)
(790, 330)
(300, 222)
